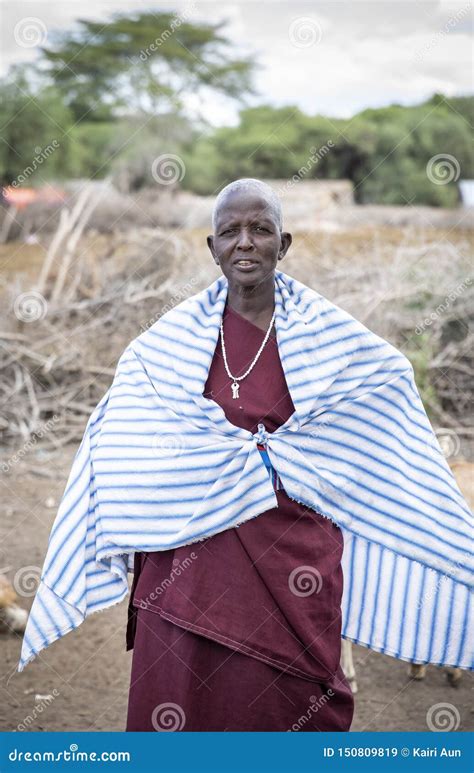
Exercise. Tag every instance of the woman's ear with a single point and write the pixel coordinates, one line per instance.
(286, 239)
(210, 244)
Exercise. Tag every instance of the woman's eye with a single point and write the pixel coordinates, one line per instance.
(232, 230)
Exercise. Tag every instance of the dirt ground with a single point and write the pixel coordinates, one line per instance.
(87, 672)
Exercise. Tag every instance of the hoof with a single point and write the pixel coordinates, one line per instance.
(453, 675)
(417, 671)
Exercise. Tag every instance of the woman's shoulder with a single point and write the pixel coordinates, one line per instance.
(180, 313)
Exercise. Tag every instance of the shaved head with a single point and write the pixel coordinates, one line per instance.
(251, 186)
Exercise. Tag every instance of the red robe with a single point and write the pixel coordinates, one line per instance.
(241, 631)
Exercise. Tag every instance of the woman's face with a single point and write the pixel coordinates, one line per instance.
(247, 242)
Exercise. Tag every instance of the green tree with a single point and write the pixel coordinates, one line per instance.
(386, 152)
(35, 142)
(142, 63)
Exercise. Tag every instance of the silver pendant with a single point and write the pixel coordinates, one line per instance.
(235, 390)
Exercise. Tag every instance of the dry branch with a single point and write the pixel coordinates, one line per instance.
(105, 290)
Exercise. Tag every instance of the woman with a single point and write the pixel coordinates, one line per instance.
(265, 634)
(259, 397)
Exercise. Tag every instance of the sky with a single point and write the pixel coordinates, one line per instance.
(333, 58)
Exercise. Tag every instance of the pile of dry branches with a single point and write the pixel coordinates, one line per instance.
(419, 295)
(60, 339)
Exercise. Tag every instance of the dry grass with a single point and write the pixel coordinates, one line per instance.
(116, 284)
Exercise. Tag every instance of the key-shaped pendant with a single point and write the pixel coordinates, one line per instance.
(235, 390)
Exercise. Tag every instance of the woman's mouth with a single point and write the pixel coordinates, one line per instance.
(245, 265)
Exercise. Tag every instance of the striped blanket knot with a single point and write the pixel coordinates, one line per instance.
(262, 435)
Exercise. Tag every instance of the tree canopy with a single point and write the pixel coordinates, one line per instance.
(142, 62)
(385, 152)
(110, 98)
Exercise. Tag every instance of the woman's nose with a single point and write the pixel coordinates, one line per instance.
(244, 241)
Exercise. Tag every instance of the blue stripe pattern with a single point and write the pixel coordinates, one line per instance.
(274, 477)
(160, 466)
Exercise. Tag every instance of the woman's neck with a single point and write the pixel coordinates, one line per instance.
(253, 309)
(255, 304)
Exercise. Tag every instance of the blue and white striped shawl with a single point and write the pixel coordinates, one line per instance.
(160, 466)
